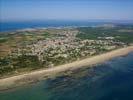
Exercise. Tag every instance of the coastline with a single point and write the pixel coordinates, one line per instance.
(35, 76)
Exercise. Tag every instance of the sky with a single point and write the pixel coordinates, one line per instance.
(20, 10)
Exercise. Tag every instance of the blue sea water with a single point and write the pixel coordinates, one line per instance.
(19, 25)
(112, 80)
(12, 26)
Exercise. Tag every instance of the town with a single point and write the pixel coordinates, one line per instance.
(45, 48)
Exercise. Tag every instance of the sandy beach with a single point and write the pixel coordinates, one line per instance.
(35, 76)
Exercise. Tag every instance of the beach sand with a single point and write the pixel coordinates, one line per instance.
(36, 76)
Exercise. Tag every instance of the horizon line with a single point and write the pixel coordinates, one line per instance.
(90, 20)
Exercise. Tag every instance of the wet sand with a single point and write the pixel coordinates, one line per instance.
(36, 76)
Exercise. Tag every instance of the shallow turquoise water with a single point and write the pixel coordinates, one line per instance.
(112, 80)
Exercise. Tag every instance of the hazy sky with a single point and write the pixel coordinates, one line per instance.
(15, 10)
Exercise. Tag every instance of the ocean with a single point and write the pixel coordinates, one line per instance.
(13, 26)
(111, 80)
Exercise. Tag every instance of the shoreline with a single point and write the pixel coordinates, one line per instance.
(35, 76)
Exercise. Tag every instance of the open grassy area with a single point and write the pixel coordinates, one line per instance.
(95, 32)
(70, 50)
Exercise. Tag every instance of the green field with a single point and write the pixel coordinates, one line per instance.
(9, 42)
(95, 32)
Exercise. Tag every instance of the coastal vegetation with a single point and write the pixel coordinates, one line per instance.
(121, 33)
(29, 50)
